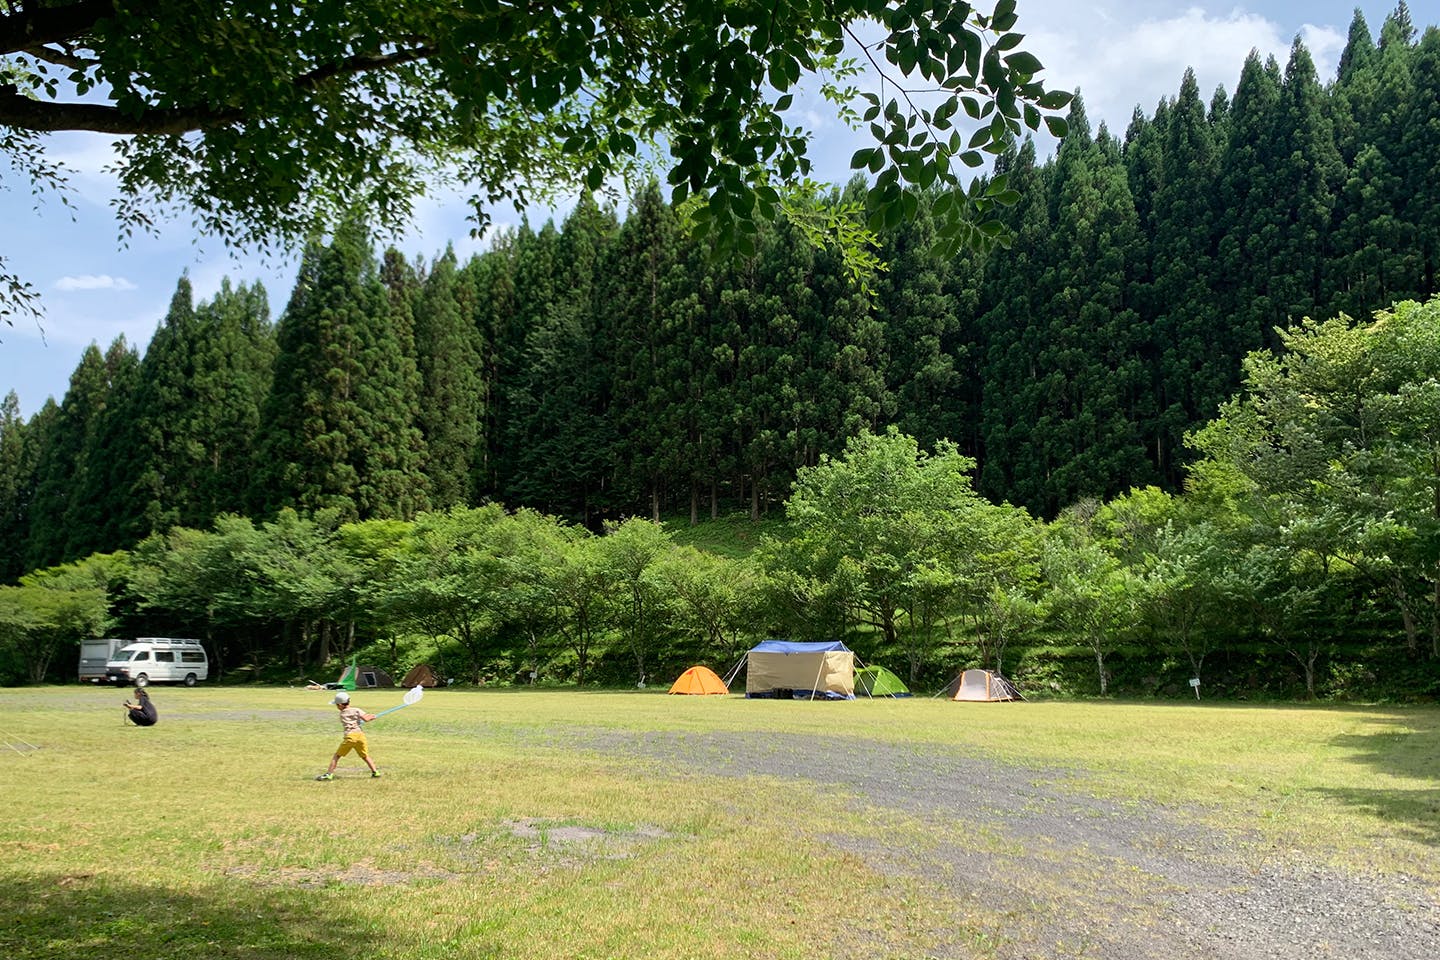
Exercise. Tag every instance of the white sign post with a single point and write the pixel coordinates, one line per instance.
(1195, 685)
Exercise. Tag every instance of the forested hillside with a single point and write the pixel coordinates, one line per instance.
(607, 367)
(604, 368)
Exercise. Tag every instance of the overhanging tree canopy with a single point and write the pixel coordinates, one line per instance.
(266, 121)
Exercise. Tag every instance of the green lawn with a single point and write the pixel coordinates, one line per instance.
(496, 832)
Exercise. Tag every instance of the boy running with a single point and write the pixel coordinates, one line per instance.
(350, 719)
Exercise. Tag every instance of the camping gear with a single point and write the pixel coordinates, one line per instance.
(413, 696)
(699, 681)
(800, 671)
(364, 676)
(876, 681)
(981, 685)
(421, 675)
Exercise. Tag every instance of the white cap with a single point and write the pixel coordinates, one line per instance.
(341, 697)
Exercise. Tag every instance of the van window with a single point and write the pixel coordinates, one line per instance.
(141, 655)
(164, 656)
(189, 656)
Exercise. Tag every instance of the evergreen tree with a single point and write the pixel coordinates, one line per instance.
(639, 332)
(514, 394)
(563, 459)
(1308, 173)
(1190, 379)
(1420, 163)
(1249, 225)
(492, 278)
(916, 303)
(234, 364)
(72, 513)
(1011, 323)
(339, 421)
(450, 355)
(159, 448)
(17, 486)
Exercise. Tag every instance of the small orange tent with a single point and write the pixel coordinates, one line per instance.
(699, 681)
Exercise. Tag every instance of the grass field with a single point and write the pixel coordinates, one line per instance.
(503, 827)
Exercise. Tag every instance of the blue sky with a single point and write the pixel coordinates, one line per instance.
(1119, 53)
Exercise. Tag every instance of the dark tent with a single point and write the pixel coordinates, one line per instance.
(364, 677)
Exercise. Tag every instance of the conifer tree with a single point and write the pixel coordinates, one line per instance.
(159, 449)
(449, 354)
(915, 302)
(639, 334)
(1420, 163)
(339, 422)
(514, 394)
(234, 364)
(17, 485)
(1248, 231)
(1190, 379)
(1011, 323)
(74, 512)
(563, 458)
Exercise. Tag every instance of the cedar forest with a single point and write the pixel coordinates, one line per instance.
(1115, 456)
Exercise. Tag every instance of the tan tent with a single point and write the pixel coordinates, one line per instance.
(981, 685)
(421, 675)
(802, 671)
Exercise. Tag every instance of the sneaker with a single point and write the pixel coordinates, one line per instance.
(374, 774)
(326, 776)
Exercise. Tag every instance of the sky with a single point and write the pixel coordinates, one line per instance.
(1120, 54)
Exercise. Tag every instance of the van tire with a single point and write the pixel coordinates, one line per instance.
(141, 680)
(190, 679)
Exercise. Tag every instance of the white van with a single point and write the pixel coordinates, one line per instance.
(157, 660)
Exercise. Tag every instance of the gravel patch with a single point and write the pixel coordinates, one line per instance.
(1063, 873)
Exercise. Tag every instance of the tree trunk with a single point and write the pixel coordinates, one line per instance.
(1100, 667)
(1412, 631)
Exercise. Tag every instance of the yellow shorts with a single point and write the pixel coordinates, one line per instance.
(356, 742)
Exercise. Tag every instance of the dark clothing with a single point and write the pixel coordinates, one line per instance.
(143, 714)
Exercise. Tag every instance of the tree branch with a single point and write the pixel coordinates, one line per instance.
(32, 25)
(17, 110)
(62, 57)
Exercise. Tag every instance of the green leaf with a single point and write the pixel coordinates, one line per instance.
(1024, 62)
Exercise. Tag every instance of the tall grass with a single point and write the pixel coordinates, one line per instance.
(496, 832)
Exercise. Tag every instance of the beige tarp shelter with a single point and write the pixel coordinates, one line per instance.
(981, 685)
(803, 671)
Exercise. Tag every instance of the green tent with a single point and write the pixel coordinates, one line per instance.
(879, 682)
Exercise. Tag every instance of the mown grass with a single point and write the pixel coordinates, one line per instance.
(495, 833)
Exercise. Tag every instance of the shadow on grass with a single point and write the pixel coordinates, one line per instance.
(81, 917)
(1405, 745)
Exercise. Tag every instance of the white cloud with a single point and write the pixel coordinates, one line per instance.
(89, 281)
(1141, 54)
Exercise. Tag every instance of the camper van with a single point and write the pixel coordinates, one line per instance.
(158, 660)
(94, 655)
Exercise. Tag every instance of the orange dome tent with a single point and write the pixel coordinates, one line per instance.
(699, 681)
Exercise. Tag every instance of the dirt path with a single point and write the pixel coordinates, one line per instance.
(1069, 875)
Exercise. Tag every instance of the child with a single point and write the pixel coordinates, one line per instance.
(350, 719)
